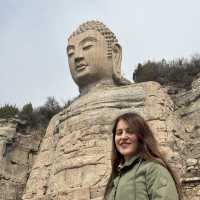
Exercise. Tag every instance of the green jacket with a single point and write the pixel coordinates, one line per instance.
(142, 180)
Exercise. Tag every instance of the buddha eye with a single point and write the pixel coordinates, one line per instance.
(70, 50)
(88, 44)
(70, 53)
(86, 47)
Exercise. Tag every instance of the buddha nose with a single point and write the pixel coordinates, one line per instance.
(78, 55)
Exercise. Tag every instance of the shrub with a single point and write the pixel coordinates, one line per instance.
(8, 111)
(178, 72)
(35, 118)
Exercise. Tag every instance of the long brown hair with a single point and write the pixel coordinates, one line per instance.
(148, 148)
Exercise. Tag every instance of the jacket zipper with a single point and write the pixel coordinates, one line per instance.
(117, 185)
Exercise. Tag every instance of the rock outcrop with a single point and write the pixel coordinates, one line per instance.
(17, 152)
(188, 108)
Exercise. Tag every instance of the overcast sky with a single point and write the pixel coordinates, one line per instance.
(33, 62)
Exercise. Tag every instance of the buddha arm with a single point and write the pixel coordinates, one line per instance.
(38, 181)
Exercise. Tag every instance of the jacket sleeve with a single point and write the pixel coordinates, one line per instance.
(160, 184)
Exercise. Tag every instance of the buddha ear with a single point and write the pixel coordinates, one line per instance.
(117, 58)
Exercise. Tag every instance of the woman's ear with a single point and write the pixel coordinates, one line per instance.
(117, 58)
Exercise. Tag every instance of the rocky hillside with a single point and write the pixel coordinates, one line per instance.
(18, 147)
(188, 108)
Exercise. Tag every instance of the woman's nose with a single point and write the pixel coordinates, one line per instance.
(124, 135)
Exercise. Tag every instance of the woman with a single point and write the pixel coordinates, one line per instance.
(139, 171)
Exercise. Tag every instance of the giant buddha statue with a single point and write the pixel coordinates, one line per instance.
(74, 158)
(94, 56)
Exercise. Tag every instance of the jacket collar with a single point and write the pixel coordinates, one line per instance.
(130, 161)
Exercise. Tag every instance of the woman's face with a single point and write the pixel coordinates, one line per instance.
(126, 140)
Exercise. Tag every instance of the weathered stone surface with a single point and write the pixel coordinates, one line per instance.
(75, 153)
(16, 158)
(188, 108)
(191, 162)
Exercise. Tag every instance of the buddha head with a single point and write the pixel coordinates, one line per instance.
(94, 55)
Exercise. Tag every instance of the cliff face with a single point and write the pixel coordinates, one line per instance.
(17, 151)
(188, 108)
(74, 157)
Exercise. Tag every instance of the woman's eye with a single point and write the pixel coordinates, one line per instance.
(118, 132)
(130, 131)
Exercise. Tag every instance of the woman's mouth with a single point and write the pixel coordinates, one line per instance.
(124, 145)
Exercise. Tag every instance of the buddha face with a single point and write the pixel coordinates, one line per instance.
(88, 60)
